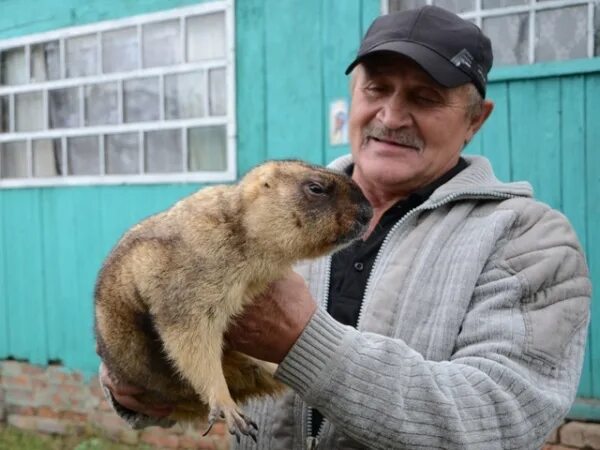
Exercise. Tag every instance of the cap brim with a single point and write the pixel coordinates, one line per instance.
(440, 68)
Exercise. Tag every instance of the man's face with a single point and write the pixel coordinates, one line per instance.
(405, 129)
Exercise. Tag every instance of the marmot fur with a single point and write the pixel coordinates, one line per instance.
(168, 290)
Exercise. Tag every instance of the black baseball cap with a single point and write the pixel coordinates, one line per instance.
(452, 50)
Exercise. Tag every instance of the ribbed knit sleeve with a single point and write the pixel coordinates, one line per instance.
(512, 376)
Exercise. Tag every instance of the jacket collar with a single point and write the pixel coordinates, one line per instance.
(476, 180)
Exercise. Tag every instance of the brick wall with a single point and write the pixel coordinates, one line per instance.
(56, 400)
(59, 401)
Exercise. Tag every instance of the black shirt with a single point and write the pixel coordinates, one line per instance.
(351, 267)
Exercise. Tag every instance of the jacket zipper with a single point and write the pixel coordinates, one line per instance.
(313, 441)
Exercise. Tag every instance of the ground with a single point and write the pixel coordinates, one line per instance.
(15, 439)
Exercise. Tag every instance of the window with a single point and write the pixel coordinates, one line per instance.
(527, 31)
(145, 99)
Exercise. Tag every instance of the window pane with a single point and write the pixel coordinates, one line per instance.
(403, 5)
(45, 61)
(184, 95)
(140, 99)
(13, 66)
(13, 159)
(162, 44)
(510, 38)
(47, 158)
(122, 153)
(490, 4)
(207, 148)
(218, 92)
(163, 151)
(120, 50)
(206, 37)
(82, 155)
(560, 34)
(456, 6)
(29, 111)
(4, 114)
(101, 104)
(82, 56)
(63, 106)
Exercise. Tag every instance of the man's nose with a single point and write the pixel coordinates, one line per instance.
(395, 113)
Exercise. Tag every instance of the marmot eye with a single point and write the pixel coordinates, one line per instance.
(315, 188)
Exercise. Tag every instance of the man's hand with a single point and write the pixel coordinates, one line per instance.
(273, 322)
(124, 396)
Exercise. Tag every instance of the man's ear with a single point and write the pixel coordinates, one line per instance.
(478, 121)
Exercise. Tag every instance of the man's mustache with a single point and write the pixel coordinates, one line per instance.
(400, 136)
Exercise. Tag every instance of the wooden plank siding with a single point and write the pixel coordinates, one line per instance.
(289, 67)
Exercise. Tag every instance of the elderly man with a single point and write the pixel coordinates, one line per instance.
(459, 321)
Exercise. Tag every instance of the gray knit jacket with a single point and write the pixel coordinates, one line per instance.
(471, 333)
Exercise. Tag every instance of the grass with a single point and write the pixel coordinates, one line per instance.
(12, 438)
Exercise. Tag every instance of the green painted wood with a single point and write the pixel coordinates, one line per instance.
(4, 343)
(574, 203)
(496, 133)
(370, 10)
(293, 76)
(535, 131)
(544, 70)
(342, 23)
(24, 277)
(50, 14)
(592, 177)
(585, 409)
(251, 84)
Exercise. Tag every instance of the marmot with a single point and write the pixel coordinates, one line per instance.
(168, 290)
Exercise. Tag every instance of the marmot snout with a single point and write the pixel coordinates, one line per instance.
(169, 289)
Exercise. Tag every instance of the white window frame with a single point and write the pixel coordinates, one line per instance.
(226, 6)
(478, 14)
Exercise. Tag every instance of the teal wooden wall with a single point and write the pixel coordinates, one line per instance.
(290, 60)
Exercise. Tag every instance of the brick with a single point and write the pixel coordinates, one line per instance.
(553, 437)
(46, 411)
(22, 422)
(16, 381)
(556, 447)
(205, 443)
(153, 437)
(30, 369)
(74, 417)
(581, 434)
(52, 426)
(10, 368)
(130, 437)
(219, 429)
(22, 397)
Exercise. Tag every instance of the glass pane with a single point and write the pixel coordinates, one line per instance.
(560, 34)
(82, 155)
(101, 104)
(206, 37)
(184, 95)
(510, 38)
(13, 66)
(63, 106)
(47, 158)
(162, 44)
(120, 50)
(45, 61)
(456, 6)
(403, 5)
(140, 99)
(82, 56)
(13, 159)
(163, 151)
(4, 114)
(207, 148)
(29, 111)
(217, 82)
(122, 153)
(490, 4)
